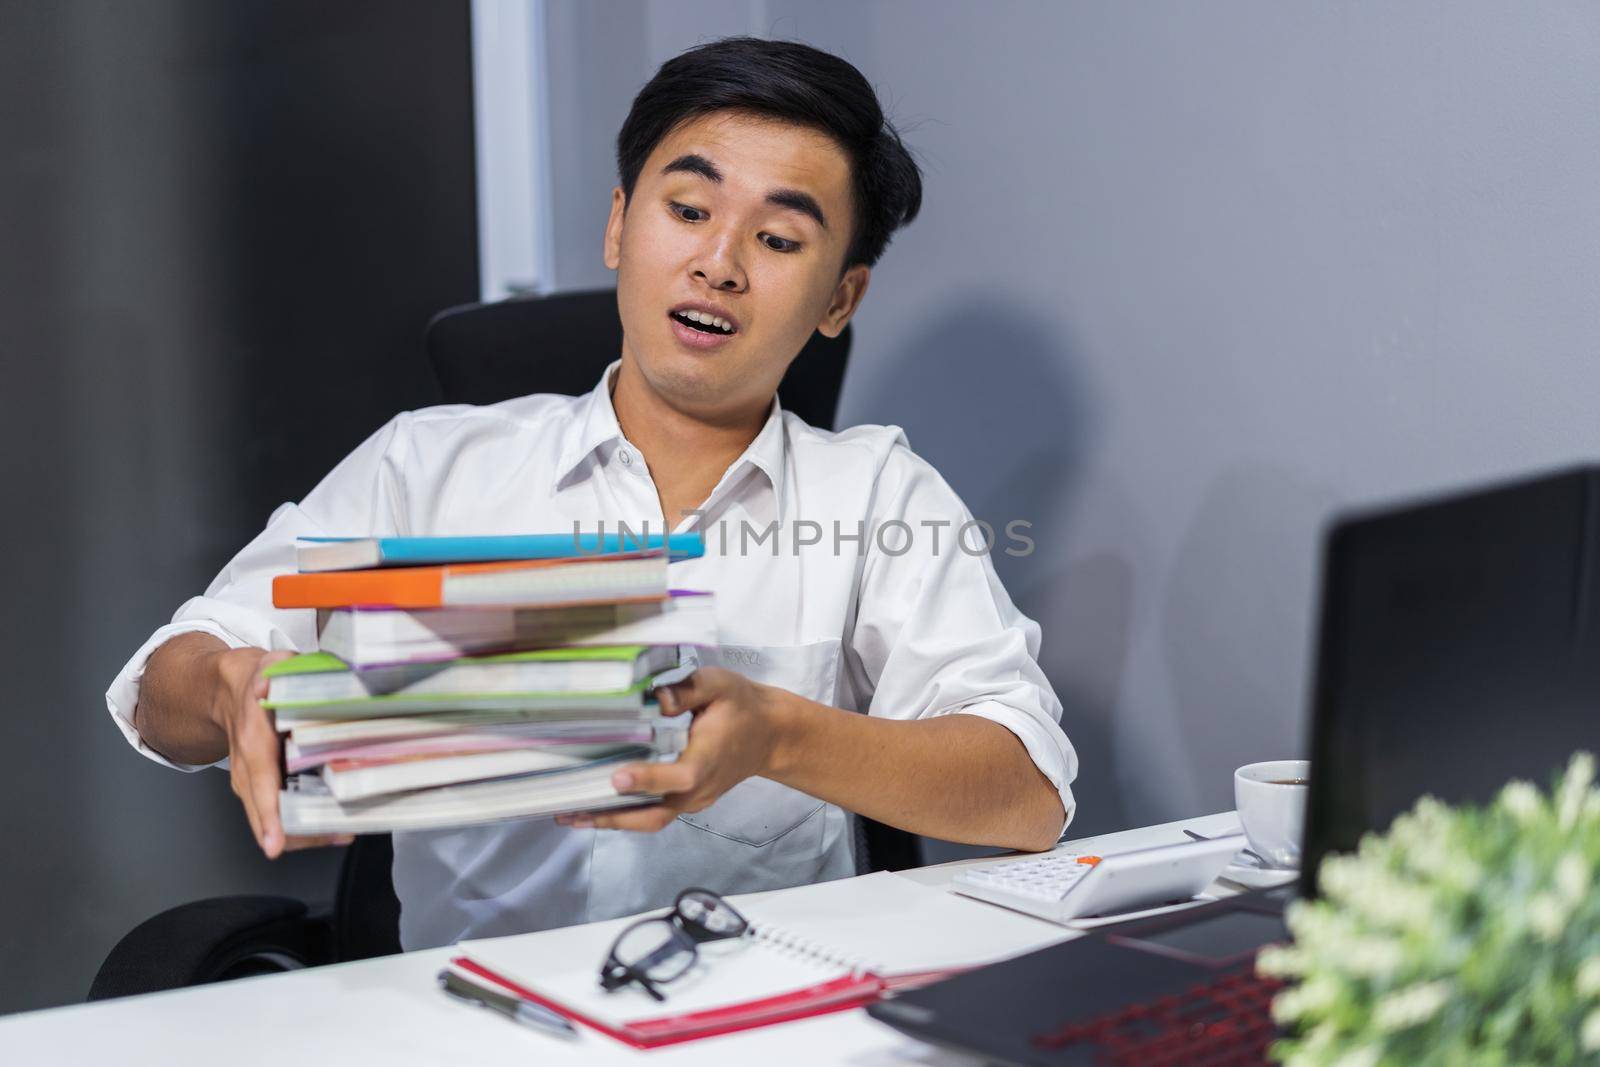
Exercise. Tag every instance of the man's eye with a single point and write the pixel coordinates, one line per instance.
(779, 244)
(687, 213)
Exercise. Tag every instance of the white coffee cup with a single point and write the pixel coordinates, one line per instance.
(1272, 812)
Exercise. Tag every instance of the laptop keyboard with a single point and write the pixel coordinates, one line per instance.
(1223, 1023)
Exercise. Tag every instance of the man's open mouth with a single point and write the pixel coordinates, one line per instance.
(704, 322)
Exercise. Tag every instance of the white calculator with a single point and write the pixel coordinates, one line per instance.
(1061, 886)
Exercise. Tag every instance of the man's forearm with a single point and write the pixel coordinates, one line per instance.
(956, 777)
(177, 696)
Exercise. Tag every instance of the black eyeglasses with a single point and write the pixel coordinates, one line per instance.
(658, 950)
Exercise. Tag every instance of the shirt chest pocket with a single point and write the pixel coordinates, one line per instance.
(759, 812)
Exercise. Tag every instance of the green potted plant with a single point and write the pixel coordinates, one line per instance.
(1463, 936)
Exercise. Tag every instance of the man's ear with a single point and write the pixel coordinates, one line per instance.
(846, 298)
(612, 250)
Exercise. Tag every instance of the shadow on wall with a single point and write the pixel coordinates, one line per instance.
(1236, 638)
(991, 394)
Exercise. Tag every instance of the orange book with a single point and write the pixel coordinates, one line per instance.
(522, 583)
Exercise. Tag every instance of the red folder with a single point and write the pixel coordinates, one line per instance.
(837, 994)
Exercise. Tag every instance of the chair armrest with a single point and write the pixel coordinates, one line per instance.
(211, 941)
(880, 847)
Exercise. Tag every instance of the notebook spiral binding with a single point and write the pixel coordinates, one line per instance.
(794, 944)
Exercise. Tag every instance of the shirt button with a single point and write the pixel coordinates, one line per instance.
(627, 458)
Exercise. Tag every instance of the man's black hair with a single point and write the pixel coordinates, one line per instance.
(794, 83)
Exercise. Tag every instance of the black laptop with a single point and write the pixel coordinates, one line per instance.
(1459, 646)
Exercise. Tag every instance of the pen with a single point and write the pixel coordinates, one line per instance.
(514, 1008)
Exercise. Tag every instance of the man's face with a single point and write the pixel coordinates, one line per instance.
(743, 223)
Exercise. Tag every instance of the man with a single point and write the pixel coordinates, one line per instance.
(759, 184)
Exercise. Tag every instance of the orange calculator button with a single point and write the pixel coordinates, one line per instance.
(1088, 861)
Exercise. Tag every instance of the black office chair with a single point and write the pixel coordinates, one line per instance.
(485, 353)
(222, 938)
(480, 353)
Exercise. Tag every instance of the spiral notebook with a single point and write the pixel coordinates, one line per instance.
(810, 951)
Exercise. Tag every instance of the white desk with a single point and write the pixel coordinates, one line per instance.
(389, 1011)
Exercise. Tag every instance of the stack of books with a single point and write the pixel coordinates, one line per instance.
(465, 680)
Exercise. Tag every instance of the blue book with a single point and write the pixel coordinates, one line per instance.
(317, 554)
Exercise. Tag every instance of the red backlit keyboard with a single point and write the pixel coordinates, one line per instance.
(1226, 1023)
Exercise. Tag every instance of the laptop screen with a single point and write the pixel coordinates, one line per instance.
(1457, 650)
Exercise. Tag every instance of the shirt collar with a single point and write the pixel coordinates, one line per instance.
(597, 425)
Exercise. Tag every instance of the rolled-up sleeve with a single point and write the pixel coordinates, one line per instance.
(936, 633)
(362, 495)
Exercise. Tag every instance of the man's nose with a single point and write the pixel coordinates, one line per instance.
(717, 263)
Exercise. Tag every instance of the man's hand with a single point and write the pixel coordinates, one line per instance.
(253, 747)
(733, 737)
(955, 776)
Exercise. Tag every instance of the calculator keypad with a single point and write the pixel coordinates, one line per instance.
(1048, 878)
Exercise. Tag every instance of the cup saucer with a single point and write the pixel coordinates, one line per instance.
(1248, 874)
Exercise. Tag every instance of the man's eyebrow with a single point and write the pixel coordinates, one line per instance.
(694, 164)
(792, 199)
(795, 200)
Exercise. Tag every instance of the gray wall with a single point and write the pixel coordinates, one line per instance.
(222, 230)
(1188, 279)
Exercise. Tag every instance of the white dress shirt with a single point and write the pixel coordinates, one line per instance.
(897, 622)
